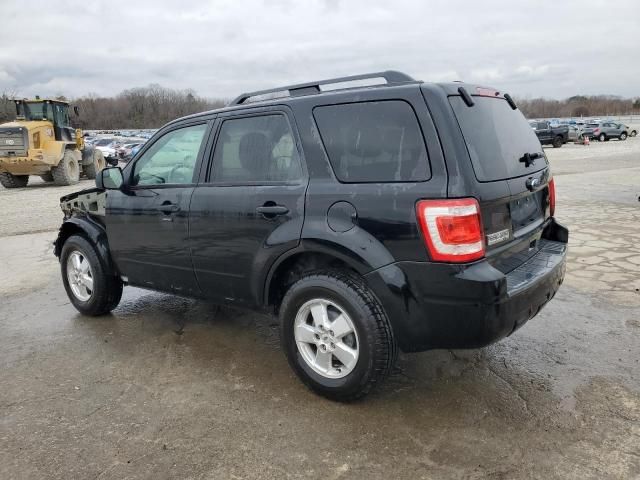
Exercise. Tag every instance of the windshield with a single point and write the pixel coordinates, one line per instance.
(104, 141)
(497, 138)
(35, 111)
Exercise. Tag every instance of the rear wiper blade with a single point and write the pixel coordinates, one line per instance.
(529, 158)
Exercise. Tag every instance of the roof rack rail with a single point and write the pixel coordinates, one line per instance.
(391, 76)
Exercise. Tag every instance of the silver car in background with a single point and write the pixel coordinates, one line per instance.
(605, 131)
(575, 133)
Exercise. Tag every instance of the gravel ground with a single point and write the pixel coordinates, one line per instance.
(35, 208)
(173, 388)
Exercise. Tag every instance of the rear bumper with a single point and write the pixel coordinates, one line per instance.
(434, 305)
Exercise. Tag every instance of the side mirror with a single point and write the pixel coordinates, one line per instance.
(76, 110)
(110, 178)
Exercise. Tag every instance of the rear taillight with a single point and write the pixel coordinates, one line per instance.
(552, 197)
(452, 229)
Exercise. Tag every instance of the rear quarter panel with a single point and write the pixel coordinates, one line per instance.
(384, 227)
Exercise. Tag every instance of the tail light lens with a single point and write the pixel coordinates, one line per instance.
(452, 229)
(552, 197)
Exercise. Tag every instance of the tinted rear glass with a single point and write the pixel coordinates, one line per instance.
(373, 142)
(497, 137)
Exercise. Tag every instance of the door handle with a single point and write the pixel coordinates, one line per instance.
(270, 210)
(168, 208)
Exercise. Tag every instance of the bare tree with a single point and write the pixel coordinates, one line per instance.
(579, 106)
(7, 106)
(142, 107)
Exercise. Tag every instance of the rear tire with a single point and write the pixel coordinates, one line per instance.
(602, 137)
(105, 290)
(47, 177)
(623, 136)
(358, 361)
(67, 172)
(633, 133)
(13, 181)
(97, 164)
(557, 142)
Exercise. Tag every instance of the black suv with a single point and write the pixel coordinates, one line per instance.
(402, 215)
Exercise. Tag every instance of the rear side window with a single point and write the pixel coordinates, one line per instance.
(497, 138)
(373, 142)
(256, 149)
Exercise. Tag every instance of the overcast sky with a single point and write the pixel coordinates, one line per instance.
(220, 48)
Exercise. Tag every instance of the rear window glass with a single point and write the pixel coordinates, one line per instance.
(497, 138)
(373, 142)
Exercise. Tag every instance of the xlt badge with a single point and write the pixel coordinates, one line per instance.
(498, 237)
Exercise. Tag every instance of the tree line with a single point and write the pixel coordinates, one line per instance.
(154, 105)
(144, 107)
(579, 106)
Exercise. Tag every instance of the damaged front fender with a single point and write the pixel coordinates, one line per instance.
(84, 213)
(91, 201)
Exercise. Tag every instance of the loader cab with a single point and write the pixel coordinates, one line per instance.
(53, 111)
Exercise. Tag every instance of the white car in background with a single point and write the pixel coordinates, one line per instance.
(108, 147)
(632, 130)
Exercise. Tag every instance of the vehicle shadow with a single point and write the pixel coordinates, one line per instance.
(243, 348)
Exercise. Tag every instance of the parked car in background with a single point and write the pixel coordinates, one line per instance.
(632, 131)
(550, 135)
(124, 152)
(575, 133)
(135, 150)
(107, 146)
(605, 131)
(588, 129)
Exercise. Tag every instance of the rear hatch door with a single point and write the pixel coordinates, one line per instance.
(511, 171)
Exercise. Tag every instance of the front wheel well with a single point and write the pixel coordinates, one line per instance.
(93, 234)
(295, 267)
(65, 232)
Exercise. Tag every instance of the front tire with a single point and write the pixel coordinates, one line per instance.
(89, 288)
(47, 177)
(336, 336)
(623, 136)
(557, 142)
(67, 172)
(602, 137)
(13, 181)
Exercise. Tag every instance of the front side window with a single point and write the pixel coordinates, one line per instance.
(256, 149)
(60, 115)
(373, 142)
(171, 159)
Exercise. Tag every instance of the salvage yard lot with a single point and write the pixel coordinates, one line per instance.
(173, 388)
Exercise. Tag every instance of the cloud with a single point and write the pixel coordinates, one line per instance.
(220, 48)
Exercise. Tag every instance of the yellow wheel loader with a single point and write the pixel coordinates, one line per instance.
(41, 141)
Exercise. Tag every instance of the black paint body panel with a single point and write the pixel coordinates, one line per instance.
(217, 246)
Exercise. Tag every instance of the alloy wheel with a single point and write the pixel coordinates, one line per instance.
(80, 276)
(326, 338)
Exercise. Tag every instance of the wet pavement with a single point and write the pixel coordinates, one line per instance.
(174, 388)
